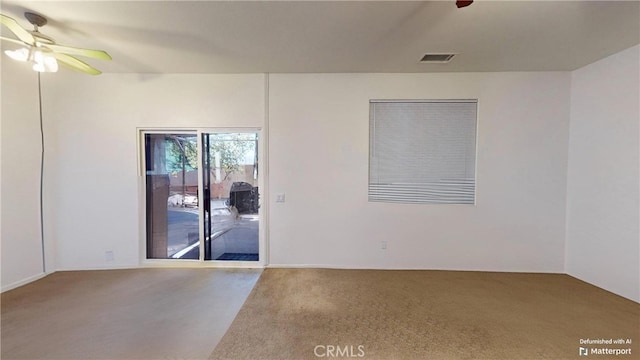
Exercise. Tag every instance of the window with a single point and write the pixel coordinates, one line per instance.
(422, 151)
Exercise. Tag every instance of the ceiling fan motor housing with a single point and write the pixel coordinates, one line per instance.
(36, 19)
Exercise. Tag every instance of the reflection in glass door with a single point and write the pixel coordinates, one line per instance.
(229, 212)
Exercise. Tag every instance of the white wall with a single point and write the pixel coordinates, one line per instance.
(603, 237)
(318, 145)
(20, 179)
(318, 149)
(97, 179)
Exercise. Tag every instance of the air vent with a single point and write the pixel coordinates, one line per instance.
(437, 58)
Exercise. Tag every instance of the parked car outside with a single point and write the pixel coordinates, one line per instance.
(180, 200)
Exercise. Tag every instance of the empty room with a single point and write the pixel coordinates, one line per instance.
(320, 179)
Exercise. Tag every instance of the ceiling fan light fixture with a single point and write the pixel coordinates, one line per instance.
(21, 54)
(44, 62)
(42, 52)
(51, 63)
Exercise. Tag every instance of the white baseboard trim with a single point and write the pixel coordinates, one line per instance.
(22, 282)
(351, 267)
(172, 264)
(635, 297)
(318, 266)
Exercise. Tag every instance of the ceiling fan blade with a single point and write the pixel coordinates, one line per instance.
(12, 40)
(95, 54)
(18, 30)
(76, 64)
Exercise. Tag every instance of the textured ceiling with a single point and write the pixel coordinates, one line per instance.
(337, 36)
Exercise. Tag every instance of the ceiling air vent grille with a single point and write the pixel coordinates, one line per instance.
(437, 58)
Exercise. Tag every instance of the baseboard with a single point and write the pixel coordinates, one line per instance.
(633, 297)
(95, 268)
(172, 264)
(322, 266)
(23, 282)
(350, 267)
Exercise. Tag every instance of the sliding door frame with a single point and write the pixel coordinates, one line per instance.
(142, 199)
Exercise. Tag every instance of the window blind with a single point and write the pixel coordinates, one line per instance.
(423, 151)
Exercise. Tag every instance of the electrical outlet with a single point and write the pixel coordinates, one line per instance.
(383, 245)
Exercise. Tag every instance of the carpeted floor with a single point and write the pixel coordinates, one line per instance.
(123, 314)
(370, 314)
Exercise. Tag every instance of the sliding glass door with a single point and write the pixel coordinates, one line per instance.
(230, 182)
(202, 198)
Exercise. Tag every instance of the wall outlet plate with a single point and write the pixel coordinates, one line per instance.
(109, 255)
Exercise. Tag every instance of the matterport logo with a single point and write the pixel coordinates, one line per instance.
(337, 351)
(615, 347)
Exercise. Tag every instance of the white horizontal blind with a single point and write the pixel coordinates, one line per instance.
(423, 151)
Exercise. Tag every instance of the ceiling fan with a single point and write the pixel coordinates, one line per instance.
(43, 51)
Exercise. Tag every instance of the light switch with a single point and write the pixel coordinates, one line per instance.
(280, 198)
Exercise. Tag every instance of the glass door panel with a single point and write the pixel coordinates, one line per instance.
(171, 181)
(230, 180)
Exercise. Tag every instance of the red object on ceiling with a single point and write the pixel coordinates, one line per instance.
(461, 3)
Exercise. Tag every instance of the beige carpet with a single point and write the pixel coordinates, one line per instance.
(123, 314)
(425, 315)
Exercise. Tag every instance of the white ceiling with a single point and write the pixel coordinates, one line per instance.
(337, 36)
